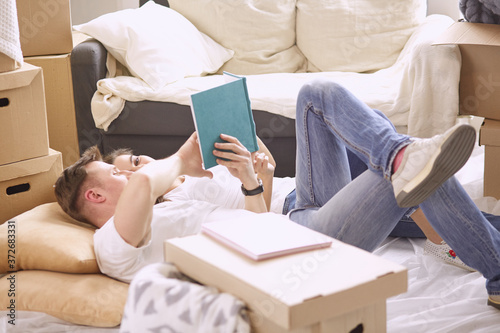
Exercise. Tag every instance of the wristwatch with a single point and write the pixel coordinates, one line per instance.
(259, 189)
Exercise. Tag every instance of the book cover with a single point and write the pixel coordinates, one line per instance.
(223, 110)
(265, 236)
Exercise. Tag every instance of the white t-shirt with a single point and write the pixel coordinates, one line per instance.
(118, 259)
(196, 201)
(225, 190)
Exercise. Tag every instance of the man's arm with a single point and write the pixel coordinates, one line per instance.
(134, 211)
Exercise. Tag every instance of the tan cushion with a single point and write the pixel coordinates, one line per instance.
(355, 35)
(261, 33)
(46, 238)
(84, 299)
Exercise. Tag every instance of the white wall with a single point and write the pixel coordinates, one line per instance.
(445, 7)
(85, 10)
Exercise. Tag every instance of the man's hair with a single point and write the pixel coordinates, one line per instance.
(110, 158)
(68, 187)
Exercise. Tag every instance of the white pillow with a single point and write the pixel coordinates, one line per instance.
(157, 44)
(355, 36)
(260, 32)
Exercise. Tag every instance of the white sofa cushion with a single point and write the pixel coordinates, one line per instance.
(355, 35)
(157, 44)
(260, 32)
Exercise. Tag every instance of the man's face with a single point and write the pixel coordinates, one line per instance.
(111, 180)
(131, 162)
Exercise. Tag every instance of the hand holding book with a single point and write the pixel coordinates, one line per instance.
(237, 159)
(223, 110)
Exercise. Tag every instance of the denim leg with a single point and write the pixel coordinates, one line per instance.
(329, 120)
(456, 218)
(363, 213)
(335, 111)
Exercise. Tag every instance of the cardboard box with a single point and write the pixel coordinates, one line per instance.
(480, 74)
(23, 120)
(44, 27)
(60, 104)
(27, 184)
(489, 136)
(7, 63)
(328, 290)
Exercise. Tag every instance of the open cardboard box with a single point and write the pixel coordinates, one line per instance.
(480, 74)
(320, 291)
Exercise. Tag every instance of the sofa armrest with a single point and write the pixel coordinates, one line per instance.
(88, 65)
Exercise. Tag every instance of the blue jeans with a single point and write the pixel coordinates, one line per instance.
(362, 212)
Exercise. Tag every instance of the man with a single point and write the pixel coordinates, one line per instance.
(403, 172)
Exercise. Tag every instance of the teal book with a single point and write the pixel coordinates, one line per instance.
(224, 109)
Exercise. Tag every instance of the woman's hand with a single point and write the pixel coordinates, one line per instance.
(262, 166)
(237, 159)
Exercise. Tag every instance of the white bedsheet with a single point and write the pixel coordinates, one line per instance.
(418, 92)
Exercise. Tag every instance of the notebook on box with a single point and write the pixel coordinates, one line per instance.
(265, 236)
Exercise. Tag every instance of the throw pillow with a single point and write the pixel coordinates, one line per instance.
(260, 32)
(157, 44)
(83, 299)
(355, 36)
(46, 238)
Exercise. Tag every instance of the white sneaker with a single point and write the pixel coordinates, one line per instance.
(494, 301)
(428, 163)
(444, 252)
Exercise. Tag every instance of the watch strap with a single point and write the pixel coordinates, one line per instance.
(258, 190)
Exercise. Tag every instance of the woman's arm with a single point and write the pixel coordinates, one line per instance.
(264, 166)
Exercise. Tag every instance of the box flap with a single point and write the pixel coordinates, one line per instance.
(489, 133)
(466, 33)
(21, 77)
(28, 167)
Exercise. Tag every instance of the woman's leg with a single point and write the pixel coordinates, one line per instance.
(463, 226)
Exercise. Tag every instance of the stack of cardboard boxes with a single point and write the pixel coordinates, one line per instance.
(46, 42)
(480, 89)
(36, 108)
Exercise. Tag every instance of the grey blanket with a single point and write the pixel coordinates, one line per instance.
(481, 11)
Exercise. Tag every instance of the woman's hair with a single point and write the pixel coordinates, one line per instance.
(110, 158)
(69, 185)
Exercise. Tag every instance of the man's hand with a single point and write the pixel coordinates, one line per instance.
(190, 157)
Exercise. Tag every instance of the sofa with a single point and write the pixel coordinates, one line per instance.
(381, 50)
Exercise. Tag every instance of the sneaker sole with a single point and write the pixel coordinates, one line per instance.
(451, 157)
(493, 303)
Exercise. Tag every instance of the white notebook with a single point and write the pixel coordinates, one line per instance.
(265, 236)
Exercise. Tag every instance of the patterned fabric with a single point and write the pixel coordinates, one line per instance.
(161, 299)
(9, 31)
(481, 11)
